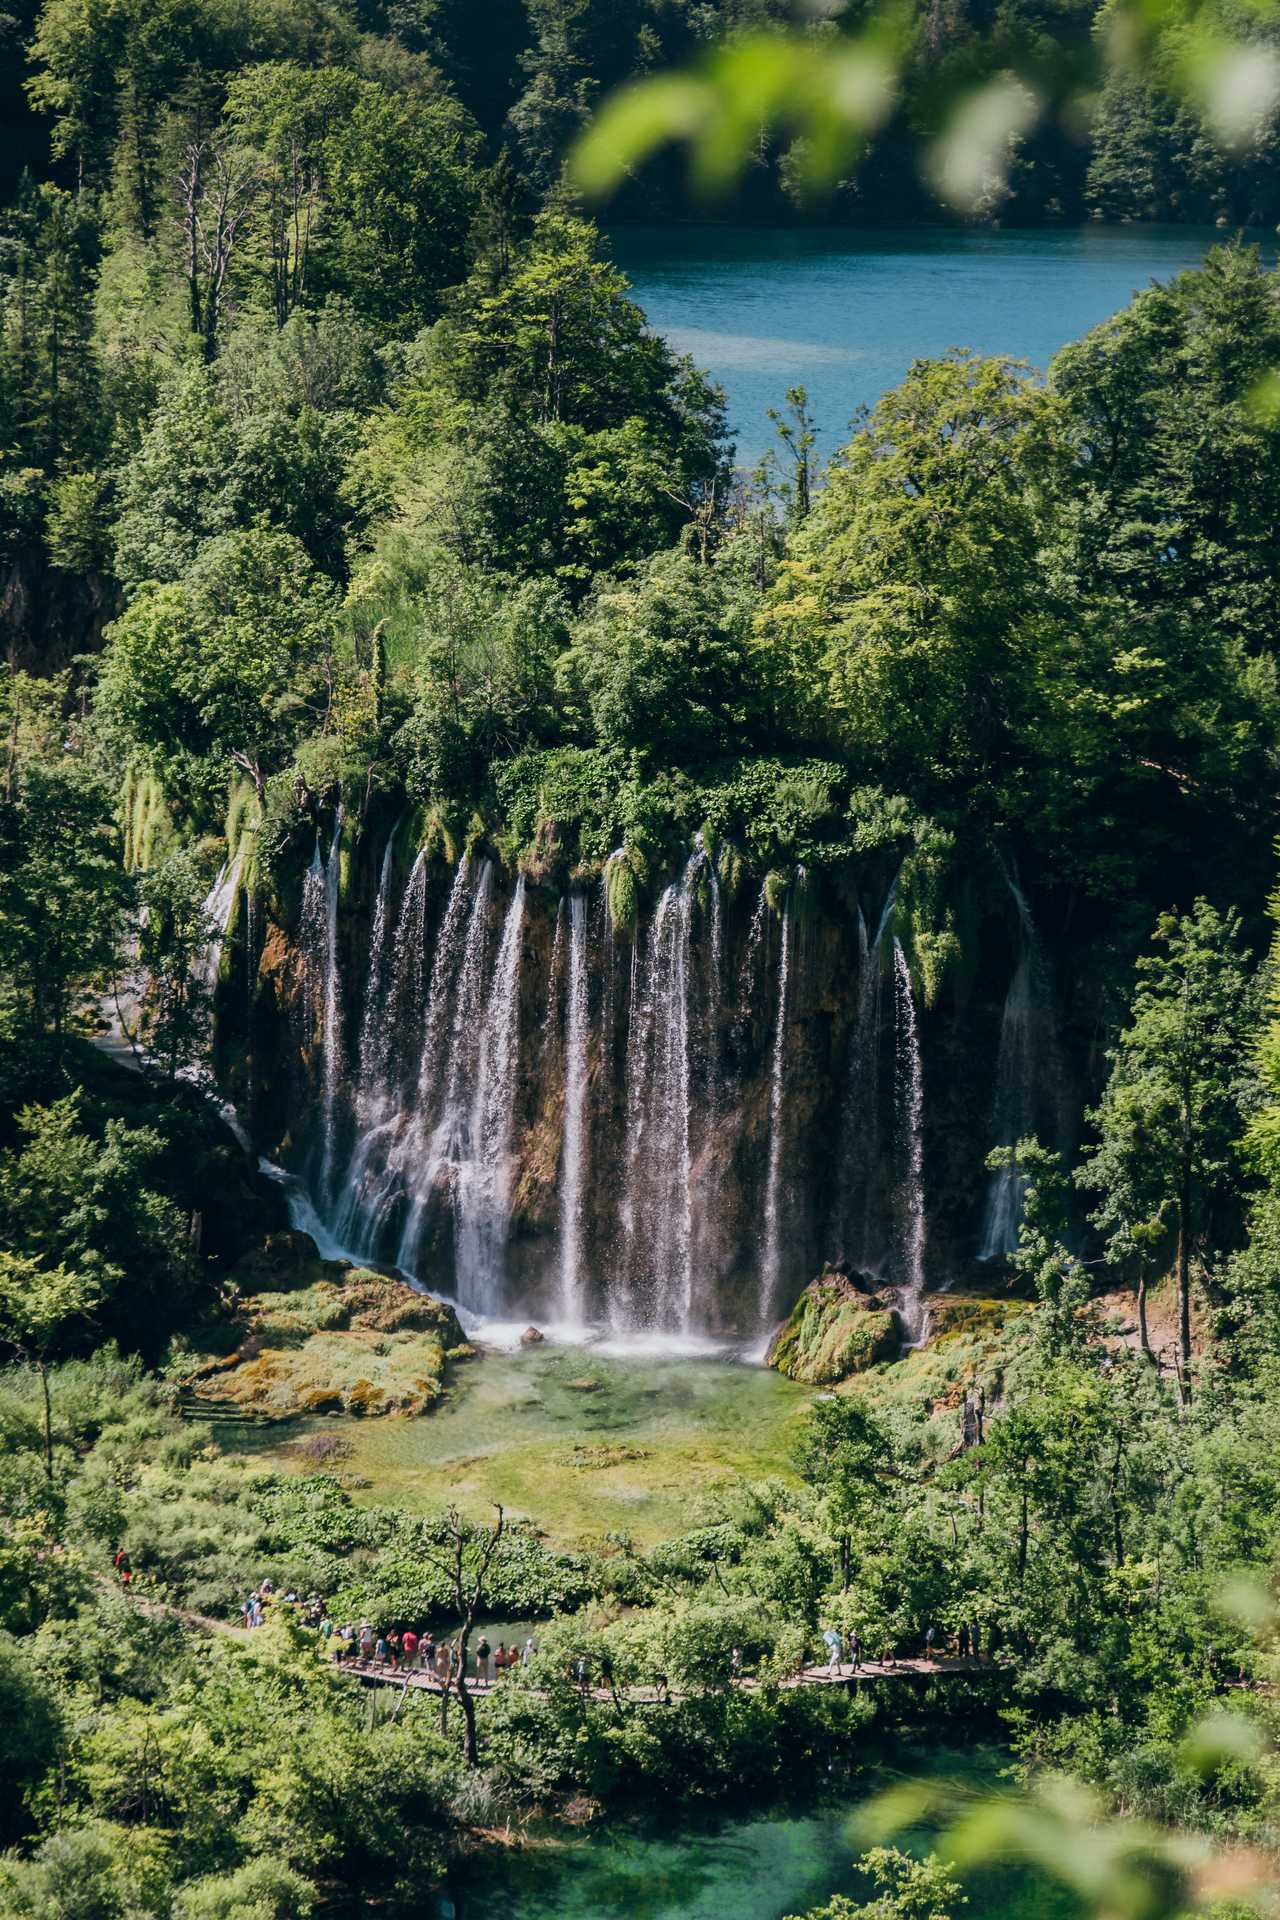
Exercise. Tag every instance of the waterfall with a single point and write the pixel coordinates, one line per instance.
(216, 910)
(438, 1131)
(750, 962)
(418, 1164)
(449, 953)
(332, 1055)
(450, 1049)
(390, 1142)
(574, 1148)
(318, 939)
(771, 1255)
(483, 1187)
(1014, 1107)
(714, 997)
(854, 1213)
(656, 1209)
(377, 1036)
(406, 963)
(909, 1127)
(396, 963)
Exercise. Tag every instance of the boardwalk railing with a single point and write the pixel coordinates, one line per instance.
(427, 1680)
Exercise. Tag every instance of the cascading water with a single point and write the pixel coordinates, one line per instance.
(217, 908)
(318, 939)
(482, 1191)
(390, 1140)
(771, 1250)
(375, 1095)
(750, 965)
(658, 1068)
(909, 1128)
(407, 962)
(1017, 1063)
(714, 992)
(377, 1036)
(450, 1056)
(574, 1144)
(656, 1211)
(855, 1215)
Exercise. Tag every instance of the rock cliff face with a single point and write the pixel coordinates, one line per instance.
(837, 1327)
(665, 1127)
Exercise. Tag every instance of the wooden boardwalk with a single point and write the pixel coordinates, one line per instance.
(425, 1680)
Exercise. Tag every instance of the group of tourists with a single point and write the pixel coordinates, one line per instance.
(264, 1599)
(405, 1650)
(968, 1643)
(396, 1650)
(390, 1649)
(847, 1648)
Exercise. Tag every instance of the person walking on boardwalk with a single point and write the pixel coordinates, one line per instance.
(484, 1660)
(528, 1651)
(930, 1642)
(427, 1650)
(855, 1649)
(442, 1662)
(832, 1638)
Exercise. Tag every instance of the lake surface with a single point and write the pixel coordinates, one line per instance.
(845, 314)
(760, 1868)
(583, 1441)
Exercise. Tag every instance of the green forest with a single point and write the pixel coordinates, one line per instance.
(351, 514)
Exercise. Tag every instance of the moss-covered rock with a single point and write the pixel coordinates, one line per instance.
(834, 1330)
(319, 1336)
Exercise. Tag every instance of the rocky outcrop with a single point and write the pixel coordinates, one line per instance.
(835, 1329)
(319, 1336)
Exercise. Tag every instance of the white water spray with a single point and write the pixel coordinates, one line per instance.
(574, 1147)
(482, 1192)
(909, 1116)
(771, 1253)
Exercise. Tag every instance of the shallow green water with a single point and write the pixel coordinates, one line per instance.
(844, 314)
(582, 1442)
(759, 1868)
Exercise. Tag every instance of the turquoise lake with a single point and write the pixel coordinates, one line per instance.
(844, 314)
(760, 1867)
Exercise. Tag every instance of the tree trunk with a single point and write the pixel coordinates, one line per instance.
(470, 1744)
(1144, 1340)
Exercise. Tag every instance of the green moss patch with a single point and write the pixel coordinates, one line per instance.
(833, 1330)
(323, 1337)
